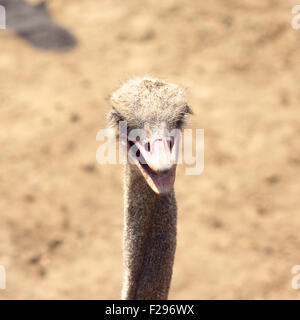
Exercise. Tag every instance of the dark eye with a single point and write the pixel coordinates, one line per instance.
(180, 123)
(135, 148)
(114, 117)
(181, 118)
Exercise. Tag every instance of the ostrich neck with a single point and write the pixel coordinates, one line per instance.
(149, 239)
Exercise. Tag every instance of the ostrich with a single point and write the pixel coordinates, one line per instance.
(150, 210)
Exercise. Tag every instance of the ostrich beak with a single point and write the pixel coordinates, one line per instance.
(157, 159)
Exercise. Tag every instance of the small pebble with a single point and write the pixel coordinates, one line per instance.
(74, 117)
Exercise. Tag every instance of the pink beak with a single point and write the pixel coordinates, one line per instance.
(161, 154)
(158, 160)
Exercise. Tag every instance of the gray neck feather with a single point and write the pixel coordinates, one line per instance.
(149, 239)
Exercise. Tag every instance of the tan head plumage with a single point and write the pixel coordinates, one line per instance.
(149, 101)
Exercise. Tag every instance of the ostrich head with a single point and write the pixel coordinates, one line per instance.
(148, 115)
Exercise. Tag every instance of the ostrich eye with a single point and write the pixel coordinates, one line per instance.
(180, 123)
(114, 117)
(137, 151)
(181, 120)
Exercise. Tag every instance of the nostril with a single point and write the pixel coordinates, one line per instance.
(147, 146)
(170, 142)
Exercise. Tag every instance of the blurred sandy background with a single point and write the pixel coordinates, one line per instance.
(61, 212)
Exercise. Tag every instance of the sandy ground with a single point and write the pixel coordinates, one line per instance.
(61, 212)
